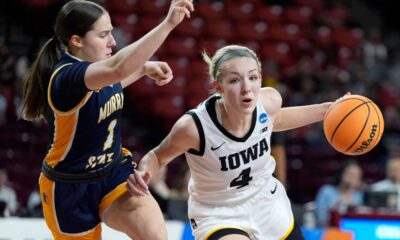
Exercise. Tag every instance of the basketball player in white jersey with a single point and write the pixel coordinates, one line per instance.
(226, 140)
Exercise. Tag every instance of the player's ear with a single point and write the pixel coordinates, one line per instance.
(216, 86)
(76, 41)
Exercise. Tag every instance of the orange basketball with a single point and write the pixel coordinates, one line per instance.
(353, 125)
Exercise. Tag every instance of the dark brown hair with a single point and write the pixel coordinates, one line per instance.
(75, 18)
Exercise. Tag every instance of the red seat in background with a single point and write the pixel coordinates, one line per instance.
(211, 44)
(298, 15)
(252, 44)
(147, 23)
(210, 10)
(323, 36)
(177, 86)
(198, 68)
(285, 32)
(168, 109)
(150, 7)
(313, 4)
(240, 11)
(180, 65)
(252, 30)
(277, 51)
(348, 37)
(182, 46)
(125, 20)
(122, 6)
(269, 13)
(192, 27)
(219, 28)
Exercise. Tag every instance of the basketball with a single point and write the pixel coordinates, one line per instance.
(353, 125)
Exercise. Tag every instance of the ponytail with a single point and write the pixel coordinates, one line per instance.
(75, 18)
(37, 80)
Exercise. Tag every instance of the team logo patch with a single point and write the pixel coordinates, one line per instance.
(263, 118)
(215, 148)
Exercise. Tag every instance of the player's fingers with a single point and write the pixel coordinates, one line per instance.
(184, 3)
(132, 187)
(341, 98)
(187, 4)
(165, 68)
(183, 10)
(147, 177)
(164, 81)
(140, 182)
(163, 71)
(137, 182)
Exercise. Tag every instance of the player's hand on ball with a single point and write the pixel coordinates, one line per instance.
(159, 71)
(137, 183)
(337, 100)
(344, 96)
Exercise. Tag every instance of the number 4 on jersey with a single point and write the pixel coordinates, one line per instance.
(243, 179)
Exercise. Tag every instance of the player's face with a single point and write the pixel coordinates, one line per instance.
(97, 44)
(240, 83)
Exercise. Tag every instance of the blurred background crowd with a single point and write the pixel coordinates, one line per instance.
(311, 51)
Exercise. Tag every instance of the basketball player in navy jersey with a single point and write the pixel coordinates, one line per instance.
(76, 85)
(226, 140)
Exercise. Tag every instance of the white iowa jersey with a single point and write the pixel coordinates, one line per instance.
(228, 169)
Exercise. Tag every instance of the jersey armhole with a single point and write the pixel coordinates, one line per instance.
(201, 135)
(80, 104)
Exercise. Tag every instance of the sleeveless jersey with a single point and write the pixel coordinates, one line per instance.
(228, 169)
(84, 124)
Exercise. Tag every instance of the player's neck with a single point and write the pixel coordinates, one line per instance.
(235, 123)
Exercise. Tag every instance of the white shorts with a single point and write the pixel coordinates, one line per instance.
(265, 216)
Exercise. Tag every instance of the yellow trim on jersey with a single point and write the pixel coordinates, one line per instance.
(111, 196)
(92, 234)
(126, 152)
(64, 132)
(116, 193)
(47, 197)
(290, 229)
(225, 227)
(79, 105)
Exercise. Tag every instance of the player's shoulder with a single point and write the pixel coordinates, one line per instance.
(185, 123)
(184, 133)
(271, 99)
(270, 93)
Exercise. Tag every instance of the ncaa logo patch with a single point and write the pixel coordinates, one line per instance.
(263, 118)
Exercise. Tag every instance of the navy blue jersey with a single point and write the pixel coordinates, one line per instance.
(84, 124)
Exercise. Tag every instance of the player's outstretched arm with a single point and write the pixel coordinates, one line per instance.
(182, 137)
(291, 117)
(132, 57)
(160, 72)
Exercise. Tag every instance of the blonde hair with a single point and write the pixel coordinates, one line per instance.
(225, 54)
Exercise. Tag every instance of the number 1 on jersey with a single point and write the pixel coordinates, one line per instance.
(243, 179)
(110, 138)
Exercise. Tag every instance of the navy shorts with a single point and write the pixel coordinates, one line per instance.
(74, 209)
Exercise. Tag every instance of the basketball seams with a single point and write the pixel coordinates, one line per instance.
(346, 99)
(343, 122)
(362, 130)
(344, 118)
(336, 103)
(379, 125)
